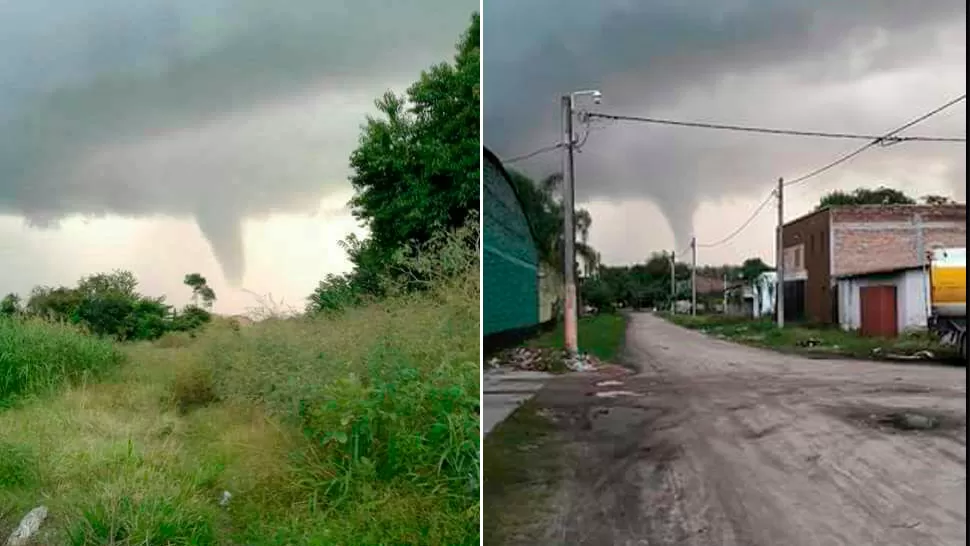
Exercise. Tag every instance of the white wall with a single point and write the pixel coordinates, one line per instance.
(912, 290)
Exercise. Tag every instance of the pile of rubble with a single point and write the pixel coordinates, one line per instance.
(544, 360)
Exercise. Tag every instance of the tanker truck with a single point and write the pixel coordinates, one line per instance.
(948, 296)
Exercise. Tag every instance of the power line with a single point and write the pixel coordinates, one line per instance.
(886, 139)
(532, 154)
(740, 228)
(883, 140)
(773, 131)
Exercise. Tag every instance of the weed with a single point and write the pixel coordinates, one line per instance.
(360, 428)
(37, 356)
(812, 339)
(601, 335)
(147, 521)
(174, 340)
(193, 387)
(17, 466)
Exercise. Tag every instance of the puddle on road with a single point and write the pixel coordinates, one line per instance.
(903, 420)
(615, 394)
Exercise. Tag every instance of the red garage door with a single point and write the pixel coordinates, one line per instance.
(878, 311)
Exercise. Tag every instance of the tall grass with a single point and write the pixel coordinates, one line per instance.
(356, 428)
(37, 356)
(386, 397)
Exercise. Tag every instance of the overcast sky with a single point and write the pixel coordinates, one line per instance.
(207, 136)
(863, 66)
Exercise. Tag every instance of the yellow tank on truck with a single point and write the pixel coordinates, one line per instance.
(948, 282)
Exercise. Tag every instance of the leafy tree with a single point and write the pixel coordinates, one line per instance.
(416, 169)
(190, 318)
(936, 200)
(334, 293)
(10, 305)
(59, 303)
(865, 196)
(415, 174)
(108, 304)
(118, 282)
(200, 290)
(542, 205)
(752, 267)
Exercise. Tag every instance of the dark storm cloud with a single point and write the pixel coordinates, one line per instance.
(777, 63)
(145, 108)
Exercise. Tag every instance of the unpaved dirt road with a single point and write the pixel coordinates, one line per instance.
(719, 444)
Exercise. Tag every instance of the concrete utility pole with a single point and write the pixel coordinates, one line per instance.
(780, 256)
(725, 293)
(921, 256)
(569, 228)
(693, 276)
(673, 281)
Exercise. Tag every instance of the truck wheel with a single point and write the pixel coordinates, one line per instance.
(963, 347)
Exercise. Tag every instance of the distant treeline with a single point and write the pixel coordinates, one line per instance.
(108, 304)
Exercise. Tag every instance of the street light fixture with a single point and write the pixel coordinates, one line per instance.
(571, 317)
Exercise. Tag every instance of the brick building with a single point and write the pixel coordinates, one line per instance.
(853, 242)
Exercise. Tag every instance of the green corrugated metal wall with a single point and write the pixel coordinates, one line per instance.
(510, 266)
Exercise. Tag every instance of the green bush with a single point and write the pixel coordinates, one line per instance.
(193, 387)
(37, 355)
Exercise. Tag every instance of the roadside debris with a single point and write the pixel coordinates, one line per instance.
(582, 362)
(28, 526)
(614, 394)
(918, 355)
(609, 383)
(544, 360)
(224, 500)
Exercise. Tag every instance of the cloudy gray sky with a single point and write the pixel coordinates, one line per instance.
(210, 135)
(864, 66)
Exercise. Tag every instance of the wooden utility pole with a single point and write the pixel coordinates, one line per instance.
(693, 276)
(569, 229)
(780, 256)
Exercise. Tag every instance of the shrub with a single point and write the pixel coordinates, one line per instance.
(193, 387)
(36, 355)
(173, 340)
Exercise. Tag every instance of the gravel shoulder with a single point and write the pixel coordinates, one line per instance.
(714, 443)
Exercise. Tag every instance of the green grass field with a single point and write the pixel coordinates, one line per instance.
(360, 428)
(811, 340)
(600, 335)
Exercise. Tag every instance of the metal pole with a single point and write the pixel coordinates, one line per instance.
(693, 276)
(780, 256)
(673, 281)
(569, 229)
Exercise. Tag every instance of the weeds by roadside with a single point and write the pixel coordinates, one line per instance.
(815, 340)
(601, 335)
